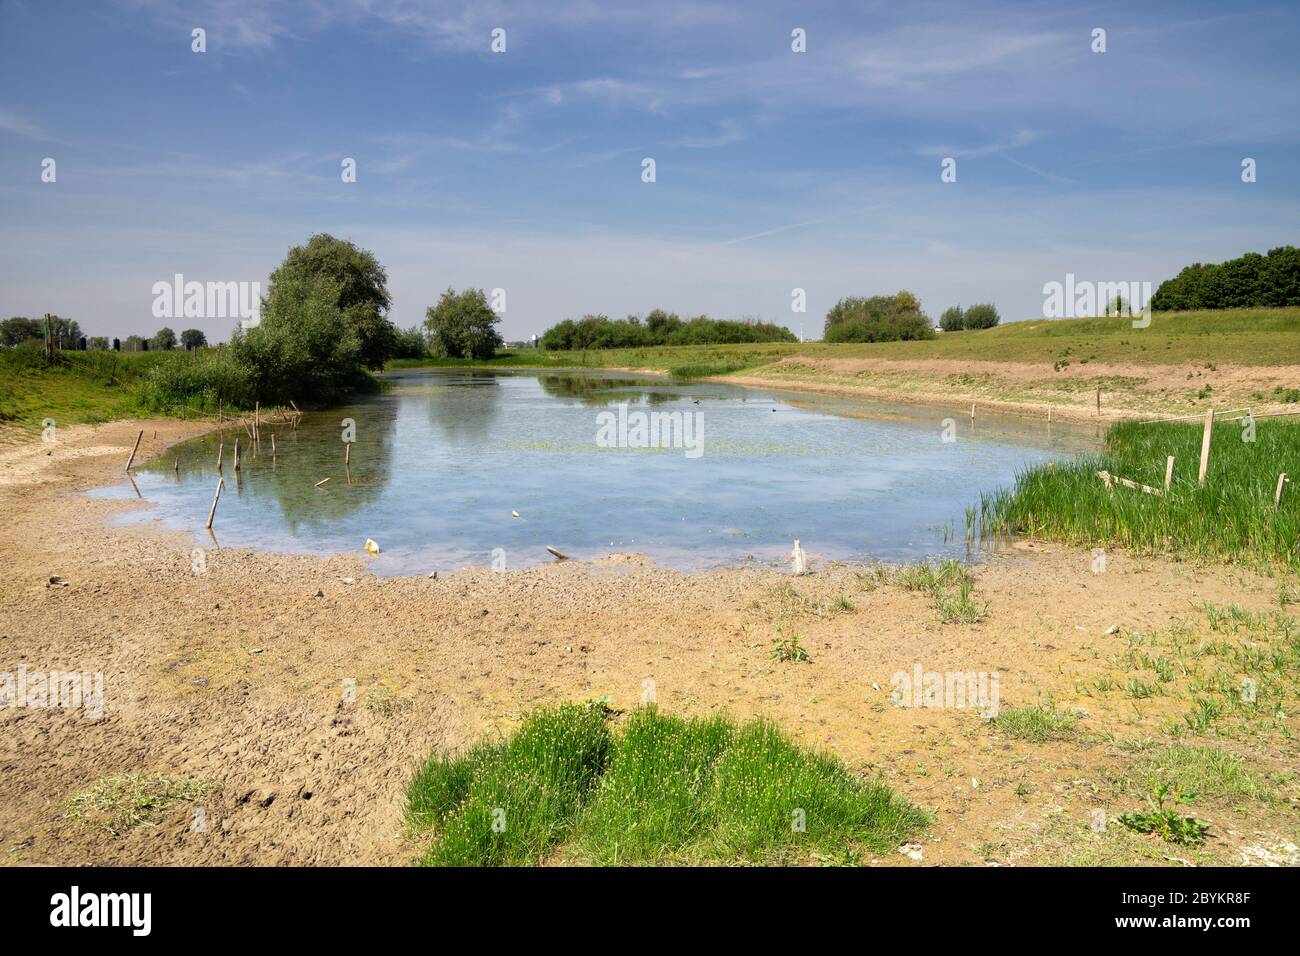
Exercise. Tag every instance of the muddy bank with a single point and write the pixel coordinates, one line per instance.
(305, 690)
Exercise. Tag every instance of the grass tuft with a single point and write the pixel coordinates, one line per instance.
(129, 800)
(663, 790)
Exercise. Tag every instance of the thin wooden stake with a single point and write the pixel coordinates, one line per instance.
(321, 482)
(1099, 402)
(221, 451)
(236, 454)
(1049, 414)
(1205, 446)
(272, 446)
(347, 453)
(1169, 472)
(1282, 479)
(972, 411)
(221, 483)
(134, 450)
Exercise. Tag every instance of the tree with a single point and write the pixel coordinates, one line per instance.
(64, 332)
(19, 329)
(362, 286)
(193, 339)
(305, 347)
(97, 343)
(463, 325)
(980, 317)
(132, 343)
(951, 320)
(164, 340)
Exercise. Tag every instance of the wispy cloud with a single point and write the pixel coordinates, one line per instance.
(21, 126)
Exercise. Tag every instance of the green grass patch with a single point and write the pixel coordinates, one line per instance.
(1231, 518)
(663, 790)
(1036, 724)
(949, 585)
(1206, 772)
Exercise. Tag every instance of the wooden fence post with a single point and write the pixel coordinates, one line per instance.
(1205, 445)
(134, 450)
(1169, 472)
(1277, 495)
(221, 482)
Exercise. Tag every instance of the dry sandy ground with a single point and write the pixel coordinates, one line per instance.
(1030, 388)
(241, 675)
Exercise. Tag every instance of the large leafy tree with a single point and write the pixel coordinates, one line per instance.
(193, 339)
(19, 329)
(464, 325)
(164, 340)
(362, 289)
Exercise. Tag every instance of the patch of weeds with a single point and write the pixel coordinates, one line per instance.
(1167, 822)
(949, 584)
(381, 702)
(129, 800)
(1207, 771)
(961, 608)
(787, 648)
(1036, 724)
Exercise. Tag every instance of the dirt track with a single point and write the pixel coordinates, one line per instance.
(240, 674)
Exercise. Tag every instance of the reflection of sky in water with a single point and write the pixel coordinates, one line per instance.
(443, 458)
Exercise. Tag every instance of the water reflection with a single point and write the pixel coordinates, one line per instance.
(443, 459)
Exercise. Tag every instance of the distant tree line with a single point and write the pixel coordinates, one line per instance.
(658, 328)
(67, 334)
(1251, 281)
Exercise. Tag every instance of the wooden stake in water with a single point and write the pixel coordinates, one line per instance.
(972, 411)
(1205, 446)
(236, 454)
(272, 446)
(1282, 479)
(1169, 472)
(347, 454)
(221, 483)
(221, 451)
(134, 450)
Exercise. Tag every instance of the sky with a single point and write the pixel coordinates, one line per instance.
(522, 170)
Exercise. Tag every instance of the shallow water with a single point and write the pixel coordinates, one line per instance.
(443, 458)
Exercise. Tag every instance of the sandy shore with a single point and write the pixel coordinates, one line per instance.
(306, 690)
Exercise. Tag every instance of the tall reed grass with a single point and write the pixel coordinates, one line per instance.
(1230, 518)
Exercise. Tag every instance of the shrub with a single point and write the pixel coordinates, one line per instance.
(951, 320)
(198, 380)
(980, 317)
(880, 318)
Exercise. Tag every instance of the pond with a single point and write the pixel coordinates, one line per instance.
(693, 474)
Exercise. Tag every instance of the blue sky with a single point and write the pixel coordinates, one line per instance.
(522, 170)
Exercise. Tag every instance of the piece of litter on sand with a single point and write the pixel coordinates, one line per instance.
(58, 581)
(371, 547)
(1113, 629)
(433, 575)
(912, 851)
(348, 580)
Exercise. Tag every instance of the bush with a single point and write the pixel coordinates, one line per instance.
(951, 320)
(881, 318)
(980, 317)
(198, 380)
